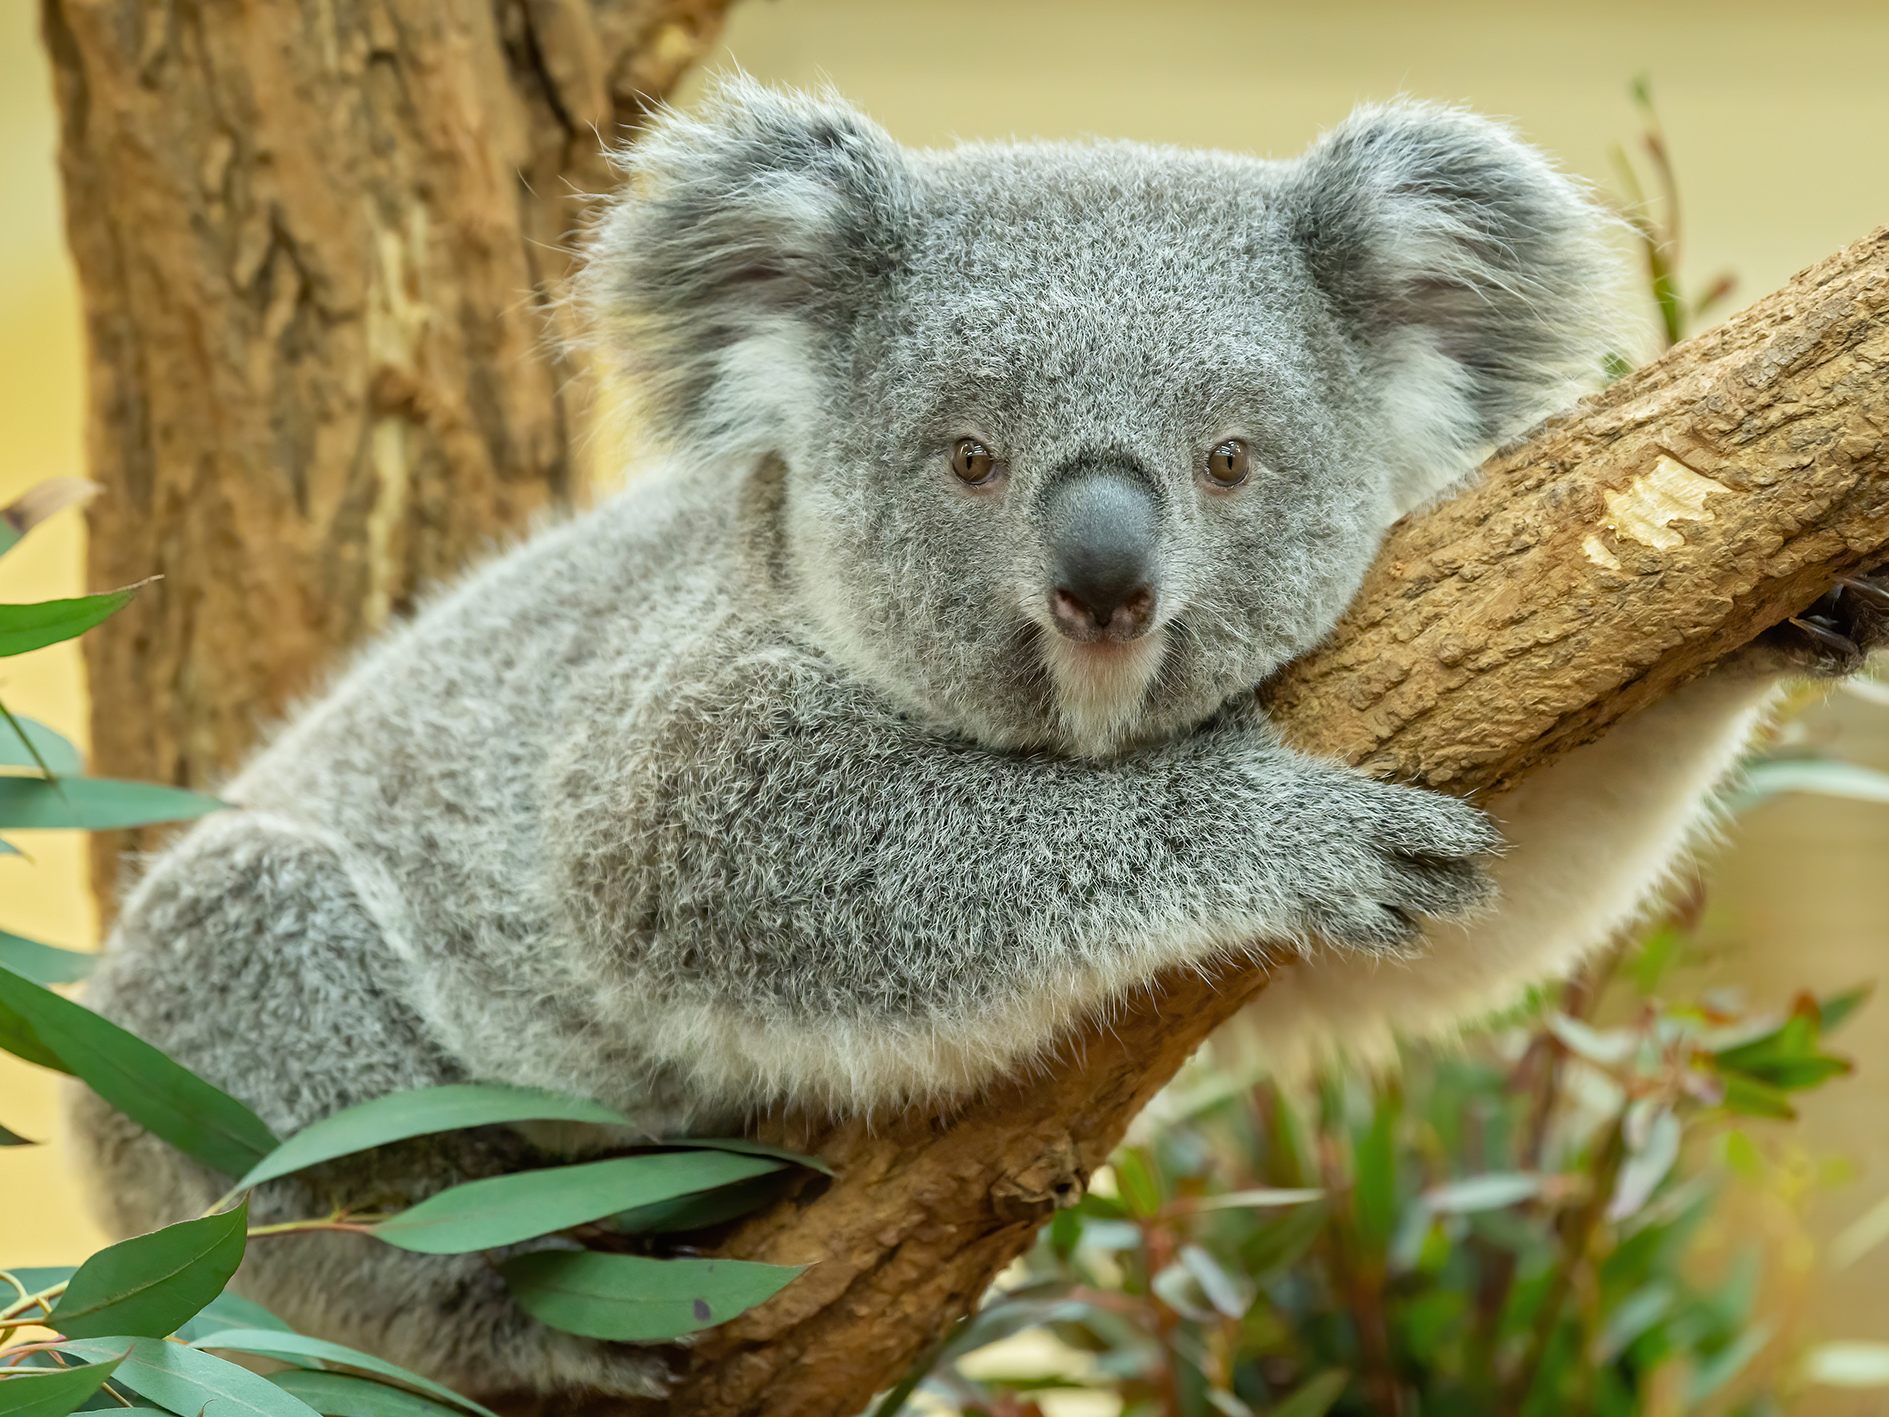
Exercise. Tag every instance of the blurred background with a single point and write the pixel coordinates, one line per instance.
(1774, 117)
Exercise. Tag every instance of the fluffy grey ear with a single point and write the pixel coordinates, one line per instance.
(1477, 280)
(741, 236)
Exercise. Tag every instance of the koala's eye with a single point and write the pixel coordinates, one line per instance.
(974, 463)
(1227, 464)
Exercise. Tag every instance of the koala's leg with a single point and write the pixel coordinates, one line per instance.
(257, 954)
(1593, 838)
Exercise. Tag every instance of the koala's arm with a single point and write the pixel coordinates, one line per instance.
(813, 897)
(1593, 838)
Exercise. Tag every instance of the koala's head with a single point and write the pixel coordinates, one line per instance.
(1081, 440)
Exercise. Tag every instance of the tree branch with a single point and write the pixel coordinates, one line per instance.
(1616, 552)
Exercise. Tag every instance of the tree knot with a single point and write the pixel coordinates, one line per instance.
(1055, 1180)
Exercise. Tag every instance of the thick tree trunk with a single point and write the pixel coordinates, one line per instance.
(1618, 551)
(319, 244)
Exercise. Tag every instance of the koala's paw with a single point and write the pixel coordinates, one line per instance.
(540, 1378)
(1390, 858)
(617, 1369)
(1832, 638)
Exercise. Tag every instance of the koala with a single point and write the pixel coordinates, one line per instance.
(900, 715)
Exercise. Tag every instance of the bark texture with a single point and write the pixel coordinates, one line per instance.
(319, 244)
(1614, 553)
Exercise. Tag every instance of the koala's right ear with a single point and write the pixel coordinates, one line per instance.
(741, 234)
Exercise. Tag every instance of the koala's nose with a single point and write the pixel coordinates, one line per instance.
(1103, 537)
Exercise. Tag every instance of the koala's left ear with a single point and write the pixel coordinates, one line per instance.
(1476, 279)
(741, 234)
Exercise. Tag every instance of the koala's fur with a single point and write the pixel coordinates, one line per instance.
(770, 779)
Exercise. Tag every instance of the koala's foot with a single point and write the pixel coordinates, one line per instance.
(549, 1374)
(1390, 857)
(1833, 638)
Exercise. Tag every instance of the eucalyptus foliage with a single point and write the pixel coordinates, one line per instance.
(148, 1324)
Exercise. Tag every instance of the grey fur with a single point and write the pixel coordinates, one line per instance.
(770, 779)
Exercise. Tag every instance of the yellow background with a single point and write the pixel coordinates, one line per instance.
(1777, 116)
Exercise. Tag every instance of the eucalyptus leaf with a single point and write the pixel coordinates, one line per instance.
(503, 1210)
(1490, 1191)
(43, 964)
(94, 804)
(1314, 1397)
(344, 1395)
(420, 1112)
(160, 1095)
(635, 1299)
(1827, 777)
(52, 1393)
(1851, 1364)
(703, 1209)
(25, 743)
(8, 1137)
(185, 1380)
(758, 1148)
(148, 1285)
(40, 501)
(273, 1343)
(229, 1310)
(47, 622)
(1834, 1012)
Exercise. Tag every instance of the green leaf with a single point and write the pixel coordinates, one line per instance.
(148, 1285)
(1746, 1097)
(634, 1299)
(343, 1395)
(502, 1210)
(1491, 1191)
(30, 627)
(53, 1393)
(1828, 777)
(94, 804)
(505, 1210)
(166, 1099)
(1855, 1365)
(757, 1148)
(25, 743)
(1284, 1242)
(1315, 1396)
(9, 1137)
(230, 1310)
(297, 1345)
(705, 1208)
(43, 964)
(1375, 1162)
(421, 1112)
(18, 1038)
(1834, 1011)
(185, 1380)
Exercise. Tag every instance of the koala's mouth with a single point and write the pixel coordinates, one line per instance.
(1101, 686)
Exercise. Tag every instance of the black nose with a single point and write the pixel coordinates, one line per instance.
(1103, 537)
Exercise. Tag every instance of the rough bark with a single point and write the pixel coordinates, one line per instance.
(1616, 552)
(318, 244)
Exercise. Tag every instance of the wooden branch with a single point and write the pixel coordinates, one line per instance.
(1616, 552)
(317, 245)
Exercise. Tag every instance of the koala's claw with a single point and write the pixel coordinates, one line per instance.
(1823, 630)
(1834, 637)
(1400, 856)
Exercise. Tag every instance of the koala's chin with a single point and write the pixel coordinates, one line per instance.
(1101, 690)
